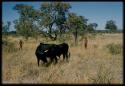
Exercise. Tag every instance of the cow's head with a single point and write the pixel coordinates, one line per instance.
(41, 43)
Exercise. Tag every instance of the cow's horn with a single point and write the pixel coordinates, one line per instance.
(45, 50)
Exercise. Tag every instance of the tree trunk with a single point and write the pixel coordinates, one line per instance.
(76, 37)
(60, 31)
(26, 38)
(50, 29)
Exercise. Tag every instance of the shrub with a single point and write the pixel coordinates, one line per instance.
(8, 47)
(114, 48)
(104, 76)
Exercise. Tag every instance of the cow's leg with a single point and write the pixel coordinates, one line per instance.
(63, 56)
(38, 61)
(55, 59)
(66, 56)
(45, 60)
(51, 58)
(58, 57)
(69, 55)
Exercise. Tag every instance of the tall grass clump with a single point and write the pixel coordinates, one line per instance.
(104, 76)
(8, 47)
(114, 48)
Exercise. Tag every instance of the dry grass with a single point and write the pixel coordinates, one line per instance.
(94, 65)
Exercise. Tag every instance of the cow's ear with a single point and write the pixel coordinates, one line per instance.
(41, 43)
(45, 50)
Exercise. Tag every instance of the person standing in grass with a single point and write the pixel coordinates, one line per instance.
(86, 42)
(20, 45)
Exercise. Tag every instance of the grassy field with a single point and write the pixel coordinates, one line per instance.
(86, 66)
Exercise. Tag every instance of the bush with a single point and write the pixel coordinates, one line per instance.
(61, 40)
(8, 47)
(114, 48)
(104, 76)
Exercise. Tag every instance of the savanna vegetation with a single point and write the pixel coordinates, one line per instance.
(100, 63)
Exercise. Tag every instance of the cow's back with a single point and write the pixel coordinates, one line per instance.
(65, 47)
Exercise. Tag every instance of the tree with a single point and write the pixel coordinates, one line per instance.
(76, 24)
(62, 11)
(48, 18)
(53, 14)
(5, 28)
(25, 24)
(84, 25)
(111, 26)
(90, 28)
(94, 25)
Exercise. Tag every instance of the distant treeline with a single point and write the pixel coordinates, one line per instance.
(106, 31)
(98, 31)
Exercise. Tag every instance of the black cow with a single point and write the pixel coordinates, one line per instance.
(41, 53)
(62, 49)
(51, 50)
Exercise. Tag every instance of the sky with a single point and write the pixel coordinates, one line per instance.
(95, 12)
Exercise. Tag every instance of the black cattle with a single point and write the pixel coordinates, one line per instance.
(62, 49)
(58, 50)
(41, 54)
(52, 51)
